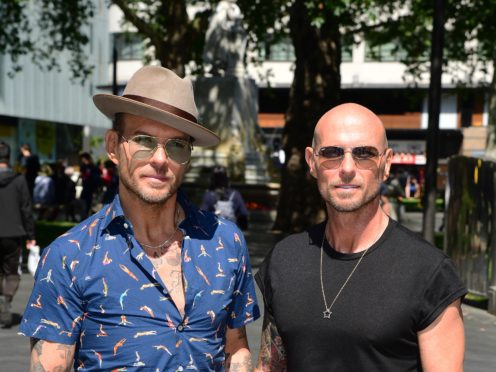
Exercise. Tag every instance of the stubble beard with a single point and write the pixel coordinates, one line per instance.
(149, 198)
(339, 206)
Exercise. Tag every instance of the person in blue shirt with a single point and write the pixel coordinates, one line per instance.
(149, 281)
(224, 200)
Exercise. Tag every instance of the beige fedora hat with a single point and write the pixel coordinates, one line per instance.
(157, 93)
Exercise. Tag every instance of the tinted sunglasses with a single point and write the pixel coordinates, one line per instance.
(365, 157)
(143, 147)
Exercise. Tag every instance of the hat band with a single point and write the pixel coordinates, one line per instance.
(162, 106)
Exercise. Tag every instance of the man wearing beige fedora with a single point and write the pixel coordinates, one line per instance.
(148, 282)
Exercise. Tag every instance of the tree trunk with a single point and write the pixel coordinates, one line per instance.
(171, 50)
(168, 30)
(491, 122)
(315, 89)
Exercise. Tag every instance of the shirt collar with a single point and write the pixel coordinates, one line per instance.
(113, 211)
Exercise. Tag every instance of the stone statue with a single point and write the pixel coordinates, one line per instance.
(225, 41)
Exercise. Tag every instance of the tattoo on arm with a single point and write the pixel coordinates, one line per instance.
(240, 366)
(272, 356)
(36, 352)
(46, 355)
(238, 355)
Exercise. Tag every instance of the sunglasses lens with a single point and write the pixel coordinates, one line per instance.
(142, 147)
(179, 151)
(365, 156)
(144, 142)
(331, 152)
(364, 152)
(331, 156)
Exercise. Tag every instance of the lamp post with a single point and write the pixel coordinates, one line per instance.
(433, 123)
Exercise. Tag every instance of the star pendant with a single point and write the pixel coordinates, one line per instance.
(327, 313)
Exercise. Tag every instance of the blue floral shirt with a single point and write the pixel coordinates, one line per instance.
(96, 288)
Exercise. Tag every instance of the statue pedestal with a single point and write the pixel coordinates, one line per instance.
(228, 106)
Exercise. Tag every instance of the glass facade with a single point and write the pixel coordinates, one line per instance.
(388, 52)
(130, 46)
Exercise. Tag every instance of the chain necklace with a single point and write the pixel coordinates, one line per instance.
(168, 240)
(327, 312)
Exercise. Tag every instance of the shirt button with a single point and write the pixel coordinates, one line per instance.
(126, 225)
(180, 328)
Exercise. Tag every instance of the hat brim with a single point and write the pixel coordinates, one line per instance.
(110, 105)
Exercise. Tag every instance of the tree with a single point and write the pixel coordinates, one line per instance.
(45, 29)
(469, 40)
(316, 29)
(169, 33)
(469, 48)
(315, 89)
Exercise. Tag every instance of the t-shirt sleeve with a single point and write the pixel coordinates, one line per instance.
(244, 303)
(54, 310)
(262, 278)
(443, 288)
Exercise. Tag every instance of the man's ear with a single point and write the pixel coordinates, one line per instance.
(112, 145)
(387, 164)
(309, 157)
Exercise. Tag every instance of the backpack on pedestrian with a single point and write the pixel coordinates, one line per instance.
(224, 207)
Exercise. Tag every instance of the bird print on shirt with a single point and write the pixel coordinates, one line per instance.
(124, 296)
(37, 304)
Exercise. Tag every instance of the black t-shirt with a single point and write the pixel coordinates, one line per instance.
(401, 286)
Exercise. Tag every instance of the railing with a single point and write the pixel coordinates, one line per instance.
(470, 238)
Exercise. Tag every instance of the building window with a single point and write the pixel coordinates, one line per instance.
(130, 46)
(388, 52)
(347, 48)
(281, 51)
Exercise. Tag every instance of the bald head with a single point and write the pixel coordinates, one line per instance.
(349, 122)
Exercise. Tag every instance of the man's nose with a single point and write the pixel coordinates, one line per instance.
(348, 163)
(159, 154)
(348, 166)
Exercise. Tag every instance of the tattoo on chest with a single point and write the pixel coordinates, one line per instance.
(170, 257)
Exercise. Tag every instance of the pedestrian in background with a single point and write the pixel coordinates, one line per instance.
(392, 195)
(65, 192)
(110, 181)
(358, 292)
(30, 164)
(44, 195)
(224, 200)
(16, 225)
(91, 181)
(412, 188)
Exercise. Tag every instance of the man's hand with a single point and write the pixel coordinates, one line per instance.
(50, 356)
(238, 355)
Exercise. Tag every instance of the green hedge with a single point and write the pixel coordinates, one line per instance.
(48, 231)
(415, 204)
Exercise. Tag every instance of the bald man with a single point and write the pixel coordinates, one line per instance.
(358, 292)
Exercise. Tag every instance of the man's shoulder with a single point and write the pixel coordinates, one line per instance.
(412, 242)
(297, 241)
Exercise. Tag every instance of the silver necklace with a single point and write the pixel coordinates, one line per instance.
(327, 312)
(168, 240)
